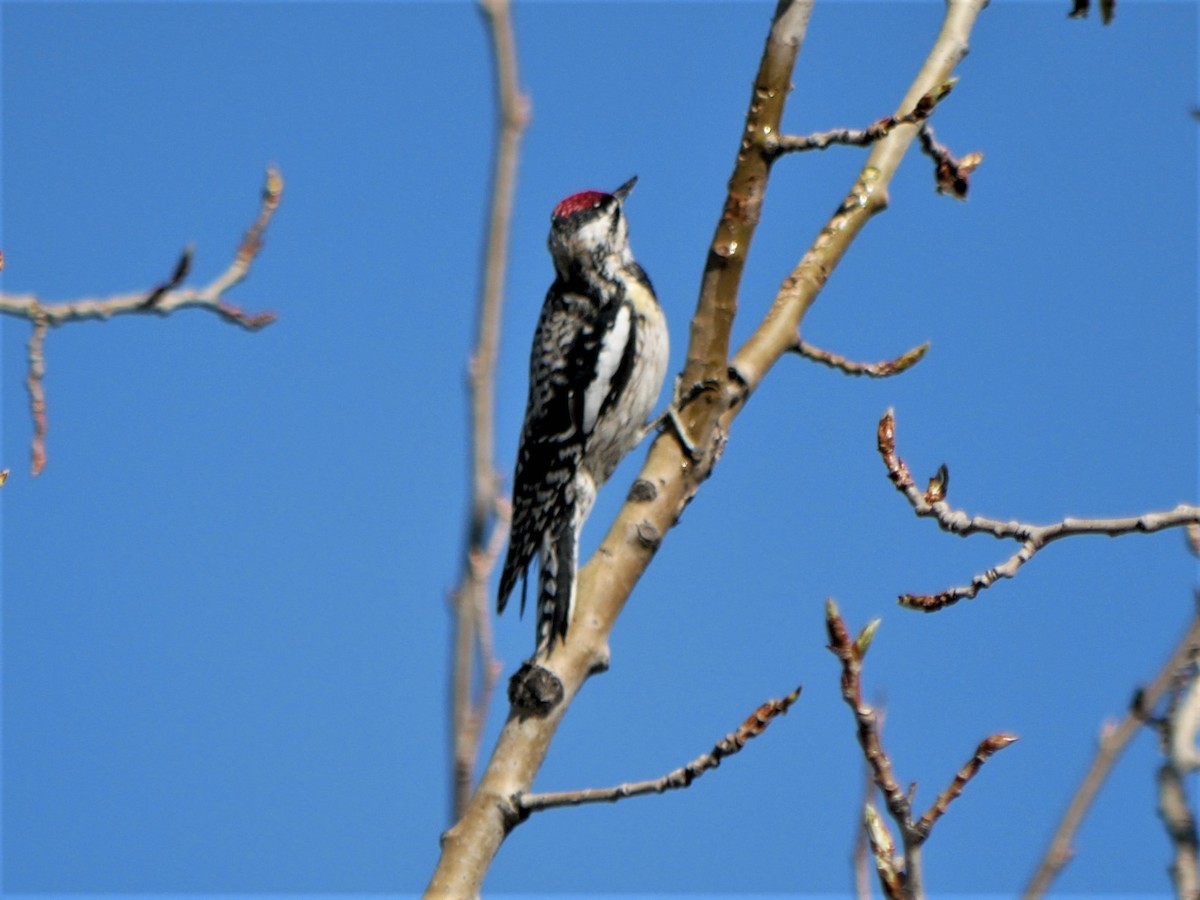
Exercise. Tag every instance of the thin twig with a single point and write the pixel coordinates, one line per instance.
(931, 503)
(850, 654)
(1113, 740)
(471, 610)
(755, 724)
(882, 369)
(859, 137)
(986, 749)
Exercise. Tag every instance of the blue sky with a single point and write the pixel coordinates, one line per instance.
(225, 630)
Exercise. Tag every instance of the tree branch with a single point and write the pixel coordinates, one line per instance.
(168, 297)
(897, 878)
(932, 504)
(1113, 741)
(882, 369)
(470, 607)
(161, 300)
(859, 137)
(1173, 806)
(755, 724)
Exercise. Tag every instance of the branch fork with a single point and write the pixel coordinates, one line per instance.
(162, 300)
(931, 503)
(900, 876)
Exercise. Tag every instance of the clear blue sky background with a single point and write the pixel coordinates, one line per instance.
(225, 629)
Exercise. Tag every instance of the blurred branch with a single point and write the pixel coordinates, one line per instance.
(162, 300)
(37, 394)
(755, 724)
(1112, 743)
(168, 297)
(1180, 731)
(862, 835)
(716, 388)
(898, 878)
(881, 369)
(1181, 829)
(488, 511)
(931, 503)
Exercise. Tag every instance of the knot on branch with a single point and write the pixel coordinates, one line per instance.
(534, 691)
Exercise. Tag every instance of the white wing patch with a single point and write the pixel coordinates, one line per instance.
(612, 349)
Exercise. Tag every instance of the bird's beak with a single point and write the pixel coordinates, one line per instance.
(623, 191)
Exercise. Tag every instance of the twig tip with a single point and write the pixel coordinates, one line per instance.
(273, 188)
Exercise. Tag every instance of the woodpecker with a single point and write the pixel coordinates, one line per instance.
(595, 372)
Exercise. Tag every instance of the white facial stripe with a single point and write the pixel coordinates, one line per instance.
(593, 233)
(611, 350)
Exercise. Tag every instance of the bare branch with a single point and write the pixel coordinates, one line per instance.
(864, 137)
(987, 747)
(882, 369)
(867, 197)
(858, 857)
(850, 655)
(37, 394)
(1179, 729)
(1032, 538)
(1113, 741)
(1180, 823)
(888, 866)
(898, 878)
(168, 297)
(473, 624)
(470, 607)
(755, 724)
(161, 300)
(1183, 724)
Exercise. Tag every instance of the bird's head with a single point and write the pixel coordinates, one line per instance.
(588, 231)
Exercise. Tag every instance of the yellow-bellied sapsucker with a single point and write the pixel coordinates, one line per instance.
(597, 365)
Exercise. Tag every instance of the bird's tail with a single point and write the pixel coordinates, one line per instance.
(556, 583)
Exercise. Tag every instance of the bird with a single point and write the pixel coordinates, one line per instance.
(596, 369)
